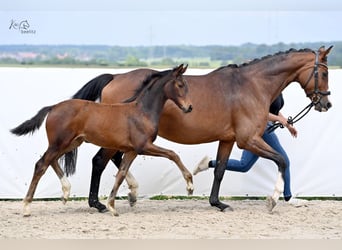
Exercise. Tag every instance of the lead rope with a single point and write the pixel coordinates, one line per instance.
(291, 120)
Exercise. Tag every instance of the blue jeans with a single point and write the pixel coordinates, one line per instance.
(248, 159)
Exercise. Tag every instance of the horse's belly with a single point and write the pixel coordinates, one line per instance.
(189, 130)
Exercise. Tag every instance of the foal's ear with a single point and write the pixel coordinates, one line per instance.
(178, 70)
(184, 68)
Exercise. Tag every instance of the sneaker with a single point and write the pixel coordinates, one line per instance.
(202, 165)
(297, 202)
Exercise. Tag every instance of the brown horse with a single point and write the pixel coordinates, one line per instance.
(231, 105)
(130, 127)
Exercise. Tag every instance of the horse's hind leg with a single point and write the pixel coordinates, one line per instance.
(260, 147)
(223, 154)
(63, 179)
(40, 168)
(99, 161)
(154, 150)
(124, 166)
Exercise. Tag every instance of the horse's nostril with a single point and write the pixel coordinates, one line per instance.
(329, 105)
(190, 108)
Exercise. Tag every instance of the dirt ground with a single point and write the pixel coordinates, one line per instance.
(172, 219)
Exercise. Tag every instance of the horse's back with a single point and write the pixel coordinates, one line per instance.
(123, 86)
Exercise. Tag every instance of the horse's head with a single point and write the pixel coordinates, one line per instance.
(314, 80)
(177, 89)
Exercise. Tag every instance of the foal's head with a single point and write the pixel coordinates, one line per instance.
(171, 83)
(176, 88)
(314, 80)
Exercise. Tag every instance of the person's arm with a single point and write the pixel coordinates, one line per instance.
(280, 118)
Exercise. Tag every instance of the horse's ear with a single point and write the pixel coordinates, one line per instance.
(328, 50)
(324, 51)
(184, 68)
(178, 70)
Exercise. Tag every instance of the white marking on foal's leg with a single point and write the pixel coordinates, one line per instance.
(111, 208)
(26, 209)
(190, 188)
(133, 186)
(66, 186)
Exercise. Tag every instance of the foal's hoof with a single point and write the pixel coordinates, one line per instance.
(99, 206)
(113, 211)
(64, 200)
(270, 203)
(132, 199)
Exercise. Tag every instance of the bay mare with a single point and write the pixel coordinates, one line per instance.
(130, 127)
(231, 104)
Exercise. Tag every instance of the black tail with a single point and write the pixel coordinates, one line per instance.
(30, 126)
(92, 89)
(69, 163)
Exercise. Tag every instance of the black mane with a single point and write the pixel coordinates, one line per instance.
(256, 60)
(146, 84)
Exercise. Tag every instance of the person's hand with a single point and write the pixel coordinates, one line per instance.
(287, 125)
(292, 130)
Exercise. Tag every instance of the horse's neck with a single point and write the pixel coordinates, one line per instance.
(280, 74)
(151, 102)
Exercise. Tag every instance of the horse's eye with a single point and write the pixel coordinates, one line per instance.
(325, 74)
(180, 84)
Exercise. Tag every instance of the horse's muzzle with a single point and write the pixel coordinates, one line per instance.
(323, 106)
(188, 109)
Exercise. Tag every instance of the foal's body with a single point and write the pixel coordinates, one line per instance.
(128, 127)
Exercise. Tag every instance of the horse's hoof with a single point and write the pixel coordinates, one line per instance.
(270, 203)
(99, 206)
(64, 200)
(113, 211)
(132, 199)
(221, 206)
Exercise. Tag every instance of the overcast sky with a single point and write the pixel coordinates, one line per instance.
(173, 22)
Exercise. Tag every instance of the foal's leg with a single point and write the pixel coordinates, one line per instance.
(64, 181)
(40, 168)
(223, 154)
(151, 149)
(131, 181)
(125, 164)
(100, 161)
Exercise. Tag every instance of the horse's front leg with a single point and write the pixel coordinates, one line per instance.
(151, 149)
(124, 166)
(223, 154)
(100, 160)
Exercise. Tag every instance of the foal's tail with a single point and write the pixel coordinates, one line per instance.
(91, 91)
(30, 126)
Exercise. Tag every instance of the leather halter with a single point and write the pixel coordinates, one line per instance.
(316, 94)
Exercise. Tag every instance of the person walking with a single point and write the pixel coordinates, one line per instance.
(248, 158)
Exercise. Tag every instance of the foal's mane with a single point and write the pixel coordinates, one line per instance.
(146, 84)
(256, 60)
